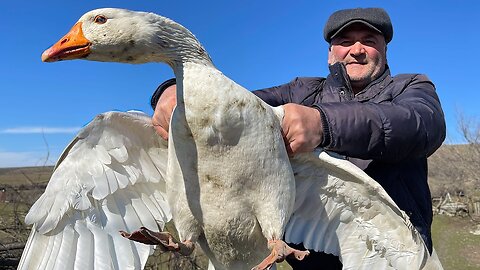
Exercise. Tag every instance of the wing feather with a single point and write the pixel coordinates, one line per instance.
(101, 248)
(84, 258)
(342, 211)
(66, 254)
(110, 178)
(55, 249)
(48, 251)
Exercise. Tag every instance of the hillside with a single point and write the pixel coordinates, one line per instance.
(26, 175)
(454, 169)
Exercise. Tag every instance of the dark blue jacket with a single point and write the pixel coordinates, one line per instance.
(388, 130)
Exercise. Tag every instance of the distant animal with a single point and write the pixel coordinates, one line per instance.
(224, 174)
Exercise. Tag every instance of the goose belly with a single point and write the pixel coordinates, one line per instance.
(245, 195)
(234, 188)
(233, 241)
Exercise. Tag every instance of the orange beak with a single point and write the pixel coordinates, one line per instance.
(73, 45)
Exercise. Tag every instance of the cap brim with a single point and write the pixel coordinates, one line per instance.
(352, 22)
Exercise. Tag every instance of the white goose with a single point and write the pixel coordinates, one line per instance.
(228, 182)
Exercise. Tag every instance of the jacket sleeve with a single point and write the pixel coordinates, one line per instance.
(410, 125)
(297, 91)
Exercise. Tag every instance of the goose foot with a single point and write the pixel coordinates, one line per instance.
(280, 250)
(163, 239)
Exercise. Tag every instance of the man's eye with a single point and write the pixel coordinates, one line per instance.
(346, 43)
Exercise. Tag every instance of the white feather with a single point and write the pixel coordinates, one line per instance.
(66, 255)
(84, 257)
(91, 197)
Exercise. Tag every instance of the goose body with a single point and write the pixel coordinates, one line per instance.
(236, 208)
(225, 177)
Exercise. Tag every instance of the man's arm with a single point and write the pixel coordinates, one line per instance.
(411, 125)
(301, 90)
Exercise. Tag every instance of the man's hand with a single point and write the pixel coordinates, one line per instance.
(163, 111)
(302, 128)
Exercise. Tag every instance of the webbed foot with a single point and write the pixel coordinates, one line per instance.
(163, 239)
(280, 250)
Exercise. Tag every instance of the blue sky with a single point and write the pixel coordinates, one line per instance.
(256, 43)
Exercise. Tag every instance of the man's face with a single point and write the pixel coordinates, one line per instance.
(363, 50)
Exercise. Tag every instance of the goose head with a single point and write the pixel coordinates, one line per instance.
(118, 35)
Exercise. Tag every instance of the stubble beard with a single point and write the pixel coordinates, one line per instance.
(361, 75)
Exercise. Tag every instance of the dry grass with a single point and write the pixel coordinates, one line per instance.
(25, 176)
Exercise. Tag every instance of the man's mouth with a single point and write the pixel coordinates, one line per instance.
(356, 63)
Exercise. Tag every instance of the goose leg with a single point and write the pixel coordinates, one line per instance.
(163, 239)
(280, 250)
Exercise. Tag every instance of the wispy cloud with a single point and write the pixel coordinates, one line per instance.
(40, 130)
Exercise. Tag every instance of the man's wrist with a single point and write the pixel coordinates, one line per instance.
(326, 136)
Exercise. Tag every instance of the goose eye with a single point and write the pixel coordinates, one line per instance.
(100, 19)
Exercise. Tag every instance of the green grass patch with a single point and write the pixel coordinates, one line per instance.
(457, 248)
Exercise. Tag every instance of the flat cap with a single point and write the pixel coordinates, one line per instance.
(375, 18)
(160, 89)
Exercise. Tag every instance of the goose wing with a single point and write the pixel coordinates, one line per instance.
(109, 178)
(340, 210)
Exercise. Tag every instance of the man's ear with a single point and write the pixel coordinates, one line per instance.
(386, 58)
(331, 58)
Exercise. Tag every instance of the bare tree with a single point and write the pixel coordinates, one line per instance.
(454, 167)
(469, 127)
(470, 156)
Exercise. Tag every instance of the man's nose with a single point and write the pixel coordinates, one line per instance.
(357, 49)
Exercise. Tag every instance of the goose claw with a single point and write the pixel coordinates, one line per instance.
(280, 250)
(163, 239)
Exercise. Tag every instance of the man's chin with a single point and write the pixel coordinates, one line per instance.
(359, 79)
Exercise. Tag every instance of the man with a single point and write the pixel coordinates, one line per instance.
(386, 125)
